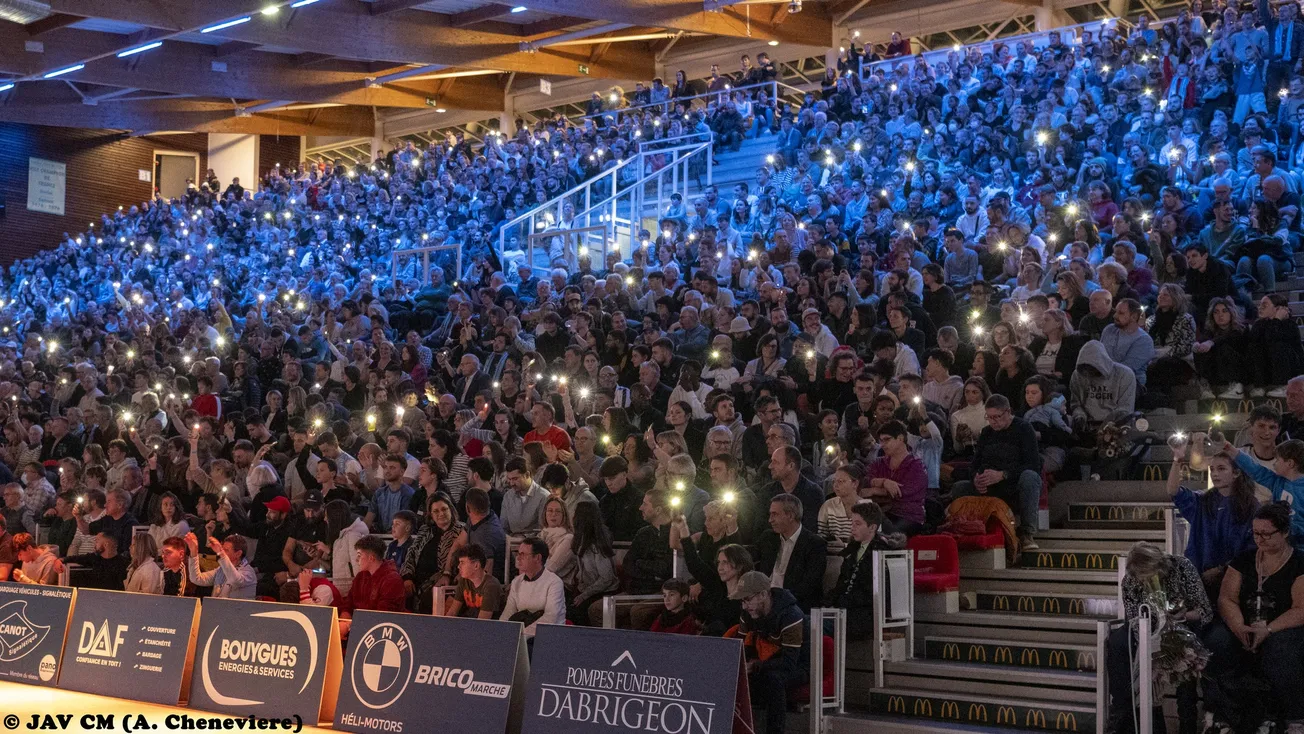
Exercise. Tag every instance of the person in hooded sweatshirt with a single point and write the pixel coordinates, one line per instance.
(1101, 389)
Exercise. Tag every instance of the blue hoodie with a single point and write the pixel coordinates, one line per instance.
(1292, 492)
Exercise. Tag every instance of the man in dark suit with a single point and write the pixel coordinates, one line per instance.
(1285, 43)
(472, 380)
(792, 556)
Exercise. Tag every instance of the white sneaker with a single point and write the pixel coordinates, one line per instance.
(1234, 391)
(1279, 392)
(1257, 392)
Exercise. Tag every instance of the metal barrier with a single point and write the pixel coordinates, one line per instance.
(821, 704)
(1103, 629)
(889, 565)
(424, 252)
(1144, 673)
(575, 242)
(774, 85)
(441, 596)
(609, 604)
(1038, 39)
(1176, 532)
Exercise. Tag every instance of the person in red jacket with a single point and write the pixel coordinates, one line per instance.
(675, 618)
(376, 586)
(206, 403)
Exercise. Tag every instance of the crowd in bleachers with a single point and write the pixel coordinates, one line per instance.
(954, 280)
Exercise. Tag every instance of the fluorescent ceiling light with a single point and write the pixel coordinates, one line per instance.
(228, 24)
(302, 3)
(140, 49)
(6, 87)
(519, 9)
(271, 10)
(68, 70)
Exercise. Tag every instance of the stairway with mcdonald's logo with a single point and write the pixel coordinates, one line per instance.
(1022, 653)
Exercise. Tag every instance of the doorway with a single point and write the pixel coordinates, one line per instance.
(173, 172)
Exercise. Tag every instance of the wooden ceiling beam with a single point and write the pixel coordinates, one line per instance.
(478, 15)
(51, 23)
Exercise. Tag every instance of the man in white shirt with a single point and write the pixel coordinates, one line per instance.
(537, 595)
(233, 578)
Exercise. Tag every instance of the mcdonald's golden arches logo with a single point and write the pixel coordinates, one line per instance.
(1004, 655)
(1115, 512)
(1066, 721)
(1045, 560)
(1034, 717)
(950, 710)
(1276, 405)
(1086, 660)
(1095, 561)
(951, 651)
(1007, 715)
(977, 652)
(978, 712)
(1077, 606)
(1030, 656)
(1001, 603)
(1058, 659)
(1218, 407)
(1027, 604)
(1093, 512)
(896, 705)
(925, 706)
(1050, 605)
(1142, 513)
(1245, 406)
(1068, 560)
(1153, 473)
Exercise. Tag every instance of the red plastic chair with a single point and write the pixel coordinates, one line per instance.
(937, 563)
(800, 695)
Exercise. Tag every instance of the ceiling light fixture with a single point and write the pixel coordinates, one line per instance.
(228, 24)
(140, 49)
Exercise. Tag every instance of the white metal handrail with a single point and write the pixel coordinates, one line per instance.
(626, 210)
(1103, 629)
(881, 583)
(1145, 681)
(644, 144)
(821, 704)
(425, 253)
(729, 88)
(575, 243)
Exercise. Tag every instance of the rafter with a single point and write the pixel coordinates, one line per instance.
(381, 7)
(193, 115)
(231, 48)
(51, 23)
(812, 26)
(408, 36)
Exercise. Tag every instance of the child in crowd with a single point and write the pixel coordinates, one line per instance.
(676, 618)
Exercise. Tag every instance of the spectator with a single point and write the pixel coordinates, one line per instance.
(1220, 518)
(143, 574)
(898, 480)
(676, 618)
(537, 595)
(1285, 478)
(484, 529)
(233, 578)
(790, 555)
(1006, 464)
(39, 562)
(478, 594)
(1126, 342)
(773, 629)
(377, 585)
(1101, 389)
(785, 467)
(593, 573)
(854, 590)
(429, 562)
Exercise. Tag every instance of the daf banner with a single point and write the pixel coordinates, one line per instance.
(265, 659)
(126, 645)
(597, 681)
(33, 620)
(410, 673)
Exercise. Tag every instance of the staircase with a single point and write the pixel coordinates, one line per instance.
(1022, 652)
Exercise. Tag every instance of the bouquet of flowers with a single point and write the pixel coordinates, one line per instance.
(1177, 654)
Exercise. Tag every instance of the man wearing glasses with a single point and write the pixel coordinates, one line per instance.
(537, 595)
(1007, 465)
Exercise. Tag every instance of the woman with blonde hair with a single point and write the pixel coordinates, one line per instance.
(143, 573)
(557, 533)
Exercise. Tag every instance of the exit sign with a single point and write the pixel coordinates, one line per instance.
(584, 69)
(432, 102)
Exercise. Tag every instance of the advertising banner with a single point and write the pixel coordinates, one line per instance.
(265, 659)
(33, 620)
(412, 673)
(585, 680)
(134, 646)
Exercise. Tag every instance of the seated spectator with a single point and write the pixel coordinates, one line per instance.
(556, 532)
(968, 422)
(1149, 569)
(897, 480)
(478, 594)
(1275, 353)
(1125, 342)
(1261, 606)
(1101, 389)
(1220, 518)
(377, 585)
(429, 562)
(619, 503)
(38, 562)
(536, 595)
(676, 618)
(312, 587)
(791, 556)
(484, 529)
(774, 631)
(1220, 351)
(233, 578)
(143, 574)
(835, 514)
(402, 527)
(854, 589)
(785, 468)
(1044, 411)
(1285, 480)
(17, 517)
(1006, 464)
(593, 571)
(523, 502)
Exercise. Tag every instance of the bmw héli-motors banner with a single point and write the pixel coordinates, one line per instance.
(265, 659)
(33, 620)
(127, 645)
(408, 673)
(599, 681)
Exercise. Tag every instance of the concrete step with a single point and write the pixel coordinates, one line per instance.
(862, 722)
(1104, 514)
(1043, 629)
(1040, 580)
(1043, 603)
(1071, 559)
(1122, 535)
(1080, 658)
(976, 709)
(935, 674)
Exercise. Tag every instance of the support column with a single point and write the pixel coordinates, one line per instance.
(378, 145)
(507, 120)
(1048, 17)
(1118, 8)
(234, 156)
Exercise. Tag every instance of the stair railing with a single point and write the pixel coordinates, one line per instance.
(425, 253)
(821, 704)
(1145, 680)
(894, 577)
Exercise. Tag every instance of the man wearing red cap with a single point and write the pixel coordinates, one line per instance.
(273, 534)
